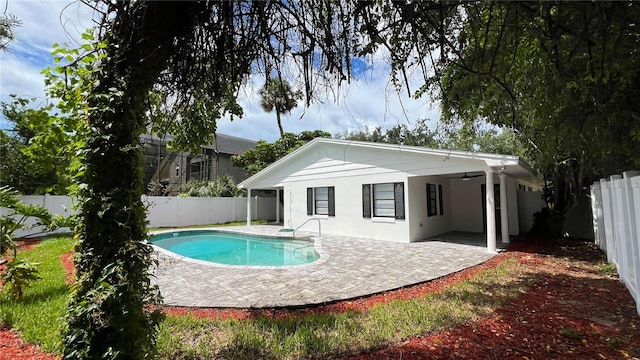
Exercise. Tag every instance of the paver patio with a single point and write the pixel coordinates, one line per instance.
(348, 267)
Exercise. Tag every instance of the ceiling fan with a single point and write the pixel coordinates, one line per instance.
(466, 177)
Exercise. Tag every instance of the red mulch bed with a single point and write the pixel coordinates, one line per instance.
(572, 313)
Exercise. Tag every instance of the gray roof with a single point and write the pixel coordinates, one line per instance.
(227, 144)
(224, 144)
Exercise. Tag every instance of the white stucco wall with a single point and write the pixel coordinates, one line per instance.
(423, 226)
(347, 167)
(466, 198)
(512, 196)
(348, 220)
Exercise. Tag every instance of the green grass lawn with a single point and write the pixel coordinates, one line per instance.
(39, 317)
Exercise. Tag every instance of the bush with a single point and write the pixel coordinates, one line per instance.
(17, 276)
(223, 186)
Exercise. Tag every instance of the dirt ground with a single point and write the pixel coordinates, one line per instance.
(578, 310)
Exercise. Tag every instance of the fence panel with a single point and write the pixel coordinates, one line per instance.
(616, 206)
(529, 202)
(164, 211)
(635, 203)
(56, 204)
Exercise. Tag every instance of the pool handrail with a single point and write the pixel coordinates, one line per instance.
(301, 225)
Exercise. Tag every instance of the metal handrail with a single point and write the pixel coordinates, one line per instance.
(319, 227)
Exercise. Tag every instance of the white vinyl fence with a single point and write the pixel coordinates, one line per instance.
(166, 211)
(615, 206)
(187, 211)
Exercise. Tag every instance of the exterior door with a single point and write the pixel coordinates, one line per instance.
(496, 196)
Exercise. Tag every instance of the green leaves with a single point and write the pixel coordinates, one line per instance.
(265, 153)
(16, 215)
(17, 276)
(559, 75)
(277, 95)
(223, 186)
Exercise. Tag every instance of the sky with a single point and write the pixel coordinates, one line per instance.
(368, 101)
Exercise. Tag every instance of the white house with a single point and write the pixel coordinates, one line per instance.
(394, 192)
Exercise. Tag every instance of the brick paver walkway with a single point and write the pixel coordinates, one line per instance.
(348, 268)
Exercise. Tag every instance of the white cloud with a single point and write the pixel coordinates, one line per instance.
(43, 23)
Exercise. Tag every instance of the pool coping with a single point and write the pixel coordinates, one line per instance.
(317, 245)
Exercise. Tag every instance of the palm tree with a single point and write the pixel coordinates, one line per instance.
(278, 95)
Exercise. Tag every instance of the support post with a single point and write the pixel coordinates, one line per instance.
(504, 210)
(277, 206)
(491, 212)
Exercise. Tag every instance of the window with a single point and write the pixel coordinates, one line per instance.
(383, 200)
(197, 169)
(431, 200)
(440, 199)
(435, 201)
(321, 201)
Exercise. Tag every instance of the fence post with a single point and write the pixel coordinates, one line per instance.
(597, 216)
(608, 220)
(635, 201)
(178, 212)
(630, 247)
(46, 202)
(620, 229)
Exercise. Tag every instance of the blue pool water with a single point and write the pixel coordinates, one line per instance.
(237, 249)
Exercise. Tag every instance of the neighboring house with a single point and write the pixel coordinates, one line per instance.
(173, 169)
(396, 193)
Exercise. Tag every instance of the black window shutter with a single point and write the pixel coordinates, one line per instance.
(366, 200)
(440, 199)
(431, 200)
(309, 201)
(398, 189)
(332, 201)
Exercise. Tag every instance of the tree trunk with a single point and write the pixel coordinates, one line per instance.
(107, 316)
(279, 123)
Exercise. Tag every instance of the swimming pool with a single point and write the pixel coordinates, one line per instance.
(237, 249)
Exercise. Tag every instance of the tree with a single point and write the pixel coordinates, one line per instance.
(277, 95)
(561, 75)
(196, 55)
(265, 153)
(400, 134)
(8, 23)
(19, 169)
